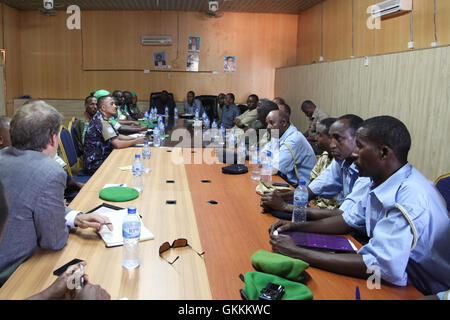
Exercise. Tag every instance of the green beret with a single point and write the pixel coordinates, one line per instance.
(256, 281)
(133, 93)
(118, 194)
(101, 93)
(280, 265)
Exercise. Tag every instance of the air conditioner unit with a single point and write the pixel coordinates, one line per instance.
(156, 40)
(390, 6)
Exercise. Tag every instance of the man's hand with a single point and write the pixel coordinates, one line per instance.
(92, 292)
(237, 122)
(92, 220)
(64, 287)
(274, 200)
(283, 244)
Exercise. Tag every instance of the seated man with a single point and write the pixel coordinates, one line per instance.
(340, 176)
(245, 120)
(122, 126)
(229, 111)
(274, 201)
(292, 155)
(399, 209)
(59, 289)
(5, 139)
(192, 104)
(131, 105)
(165, 101)
(80, 127)
(34, 184)
(285, 108)
(315, 115)
(101, 137)
(220, 103)
(122, 110)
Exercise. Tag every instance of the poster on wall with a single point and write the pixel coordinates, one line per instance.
(192, 62)
(160, 60)
(194, 44)
(229, 64)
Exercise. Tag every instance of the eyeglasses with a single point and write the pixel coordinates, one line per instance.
(178, 243)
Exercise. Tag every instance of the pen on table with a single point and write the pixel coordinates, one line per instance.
(358, 297)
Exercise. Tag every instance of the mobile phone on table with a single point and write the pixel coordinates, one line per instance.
(63, 269)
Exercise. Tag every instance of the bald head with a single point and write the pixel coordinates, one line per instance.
(277, 120)
(5, 138)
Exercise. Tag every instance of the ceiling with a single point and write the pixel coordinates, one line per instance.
(262, 6)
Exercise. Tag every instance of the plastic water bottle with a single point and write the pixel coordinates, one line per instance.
(255, 161)
(231, 140)
(175, 112)
(156, 138)
(131, 230)
(214, 131)
(241, 152)
(161, 129)
(138, 168)
(222, 135)
(197, 114)
(266, 170)
(300, 202)
(146, 114)
(146, 156)
(166, 111)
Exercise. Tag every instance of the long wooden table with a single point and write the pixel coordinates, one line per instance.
(229, 232)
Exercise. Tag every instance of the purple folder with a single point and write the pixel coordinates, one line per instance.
(320, 241)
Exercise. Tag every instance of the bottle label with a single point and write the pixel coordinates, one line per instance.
(137, 168)
(131, 230)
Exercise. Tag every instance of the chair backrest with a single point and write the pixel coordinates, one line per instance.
(443, 185)
(242, 108)
(155, 96)
(209, 104)
(67, 148)
(71, 129)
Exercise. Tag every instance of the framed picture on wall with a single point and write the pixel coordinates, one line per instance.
(160, 60)
(194, 44)
(192, 62)
(229, 64)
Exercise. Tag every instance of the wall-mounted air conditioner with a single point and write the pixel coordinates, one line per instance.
(156, 40)
(390, 6)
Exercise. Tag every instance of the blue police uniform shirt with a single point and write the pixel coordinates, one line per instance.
(191, 108)
(282, 159)
(373, 210)
(97, 142)
(339, 178)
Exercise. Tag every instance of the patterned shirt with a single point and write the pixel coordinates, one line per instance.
(322, 163)
(97, 144)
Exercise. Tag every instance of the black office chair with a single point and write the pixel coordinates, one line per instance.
(154, 97)
(209, 104)
(242, 108)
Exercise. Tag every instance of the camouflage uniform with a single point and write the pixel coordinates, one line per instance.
(97, 143)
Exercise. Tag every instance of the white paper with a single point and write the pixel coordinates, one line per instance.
(115, 237)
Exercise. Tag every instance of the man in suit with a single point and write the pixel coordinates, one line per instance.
(34, 185)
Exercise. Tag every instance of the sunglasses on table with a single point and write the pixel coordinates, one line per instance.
(178, 243)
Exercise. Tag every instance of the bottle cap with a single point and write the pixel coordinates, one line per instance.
(146, 142)
(131, 210)
(302, 182)
(137, 156)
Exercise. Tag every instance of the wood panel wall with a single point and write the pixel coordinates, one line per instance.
(394, 35)
(10, 38)
(57, 63)
(413, 86)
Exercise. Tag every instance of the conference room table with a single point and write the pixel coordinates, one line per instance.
(217, 213)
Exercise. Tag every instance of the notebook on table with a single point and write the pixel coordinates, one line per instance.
(116, 215)
(321, 241)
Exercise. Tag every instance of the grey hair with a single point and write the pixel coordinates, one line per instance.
(34, 125)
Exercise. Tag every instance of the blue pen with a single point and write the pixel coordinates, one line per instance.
(358, 297)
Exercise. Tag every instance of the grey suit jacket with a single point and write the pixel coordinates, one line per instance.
(34, 186)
